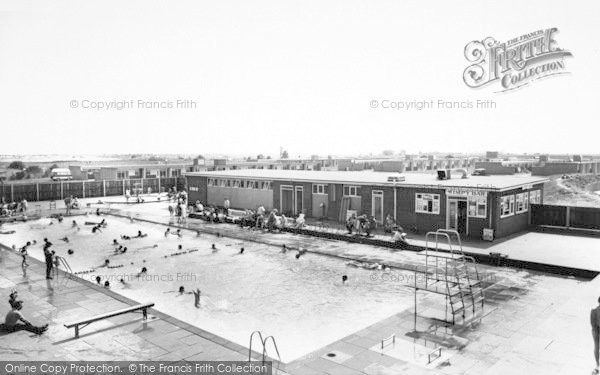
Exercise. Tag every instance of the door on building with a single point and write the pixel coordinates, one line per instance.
(377, 205)
(287, 200)
(299, 201)
(457, 215)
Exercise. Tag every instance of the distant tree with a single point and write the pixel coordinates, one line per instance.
(260, 156)
(284, 154)
(388, 152)
(269, 157)
(18, 176)
(34, 171)
(17, 164)
(201, 157)
(49, 170)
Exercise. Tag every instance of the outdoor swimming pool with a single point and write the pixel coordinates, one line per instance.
(301, 302)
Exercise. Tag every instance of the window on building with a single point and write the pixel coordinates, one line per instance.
(522, 200)
(319, 189)
(122, 175)
(427, 203)
(236, 183)
(249, 184)
(477, 206)
(163, 173)
(507, 205)
(351, 191)
(228, 183)
(210, 182)
(242, 184)
(535, 197)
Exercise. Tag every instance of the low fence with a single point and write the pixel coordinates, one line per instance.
(566, 216)
(58, 190)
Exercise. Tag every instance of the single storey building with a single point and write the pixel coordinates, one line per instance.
(418, 201)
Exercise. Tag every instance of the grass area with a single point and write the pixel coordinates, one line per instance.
(575, 190)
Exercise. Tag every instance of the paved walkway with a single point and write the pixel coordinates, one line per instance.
(533, 323)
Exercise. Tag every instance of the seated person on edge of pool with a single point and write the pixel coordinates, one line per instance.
(14, 317)
(96, 228)
(167, 232)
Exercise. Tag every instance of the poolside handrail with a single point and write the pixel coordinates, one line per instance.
(250, 346)
(65, 264)
(265, 348)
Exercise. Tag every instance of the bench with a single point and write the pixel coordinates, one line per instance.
(84, 322)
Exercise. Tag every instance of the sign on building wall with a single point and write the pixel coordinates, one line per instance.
(466, 191)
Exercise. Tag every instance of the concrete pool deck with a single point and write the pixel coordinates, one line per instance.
(536, 324)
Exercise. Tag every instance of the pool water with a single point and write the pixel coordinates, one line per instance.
(301, 302)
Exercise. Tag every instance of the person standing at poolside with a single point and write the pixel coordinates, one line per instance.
(68, 204)
(48, 258)
(595, 321)
(226, 205)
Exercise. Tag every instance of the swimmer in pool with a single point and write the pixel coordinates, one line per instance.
(344, 279)
(115, 242)
(98, 279)
(242, 250)
(66, 239)
(143, 272)
(214, 248)
(283, 249)
(179, 233)
(197, 233)
(124, 250)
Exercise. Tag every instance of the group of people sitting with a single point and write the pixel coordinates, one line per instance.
(13, 208)
(361, 224)
(273, 221)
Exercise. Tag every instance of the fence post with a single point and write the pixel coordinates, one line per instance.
(142, 185)
(83, 189)
(37, 191)
(104, 188)
(12, 192)
(123, 186)
(61, 190)
(568, 218)
(159, 183)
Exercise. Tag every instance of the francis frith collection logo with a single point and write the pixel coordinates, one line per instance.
(515, 63)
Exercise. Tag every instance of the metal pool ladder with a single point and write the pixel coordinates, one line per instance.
(263, 342)
(66, 265)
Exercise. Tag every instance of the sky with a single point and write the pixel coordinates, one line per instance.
(254, 76)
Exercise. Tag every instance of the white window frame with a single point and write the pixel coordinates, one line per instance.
(319, 189)
(476, 202)
(522, 202)
(350, 191)
(421, 198)
(504, 200)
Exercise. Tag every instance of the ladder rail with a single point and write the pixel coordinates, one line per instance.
(250, 346)
(65, 264)
(265, 348)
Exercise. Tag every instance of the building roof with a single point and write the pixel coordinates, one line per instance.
(429, 180)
